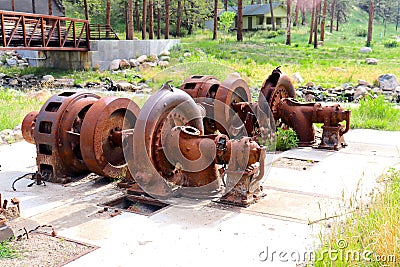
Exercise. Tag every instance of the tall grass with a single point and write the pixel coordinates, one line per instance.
(14, 106)
(371, 236)
(376, 114)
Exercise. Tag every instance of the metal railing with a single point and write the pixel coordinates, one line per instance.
(102, 32)
(27, 31)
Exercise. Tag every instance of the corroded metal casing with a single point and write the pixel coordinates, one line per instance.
(57, 135)
(28, 126)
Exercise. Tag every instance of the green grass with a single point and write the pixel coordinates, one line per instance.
(373, 231)
(14, 106)
(7, 251)
(376, 114)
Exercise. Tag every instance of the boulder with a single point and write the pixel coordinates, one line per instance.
(165, 58)
(388, 82)
(134, 63)
(366, 50)
(124, 64)
(149, 64)
(152, 58)
(297, 78)
(114, 65)
(164, 53)
(142, 59)
(47, 79)
(310, 84)
(364, 83)
(360, 92)
(187, 54)
(371, 61)
(163, 64)
(124, 86)
(309, 98)
(11, 62)
(13, 82)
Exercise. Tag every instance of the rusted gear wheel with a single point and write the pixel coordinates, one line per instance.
(283, 89)
(28, 126)
(101, 135)
(57, 134)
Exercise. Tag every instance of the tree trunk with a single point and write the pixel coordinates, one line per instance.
(337, 20)
(239, 35)
(215, 20)
(303, 12)
(33, 7)
(324, 20)
(310, 40)
(12, 5)
(297, 11)
(167, 6)
(129, 20)
(144, 19)
(108, 20)
(137, 15)
(179, 19)
(370, 22)
(398, 16)
(151, 20)
(317, 12)
(158, 20)
(226, 5)
(288, 22)
(272, 15)
(50, 7)
(332, 15)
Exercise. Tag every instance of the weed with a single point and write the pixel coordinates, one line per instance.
(7, 251)
(286, 139)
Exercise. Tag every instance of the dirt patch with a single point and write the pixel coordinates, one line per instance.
(44, 250)
(295, 164)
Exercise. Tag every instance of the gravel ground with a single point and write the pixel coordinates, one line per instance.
(295, 164)
(42, 250)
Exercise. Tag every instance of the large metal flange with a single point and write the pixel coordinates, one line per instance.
(232, 90)
(101, 135)
(199, 86)
(28, 126)
(283, 89)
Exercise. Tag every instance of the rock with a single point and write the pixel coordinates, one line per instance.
(134, 63)
(13, 82)
(187, 54)
(299, 93)
(28, 76)
(297, 78)
(360, 92)
(165, 58)
(347, 86)
(124, 86)
(152, 58)
(310, 84)
(364, 83)
(142, 59)
(388, 82)
(11, 62)
(149, 64)
(397, 90)
(2, 75)
(41, 95)
(309, 98)
(338, 89)
(163, 64)
(23, 65)
(164, 53)
(349, 92)
(124, 64)
(47, 79)
(64, 82)
(371, 61)
(20, 61)
(366, 50)
(320, 43)
(376, 90)
(114, 65)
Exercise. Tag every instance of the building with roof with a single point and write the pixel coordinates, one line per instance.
(41, 6)
(256, 17)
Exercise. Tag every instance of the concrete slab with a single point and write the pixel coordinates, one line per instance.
(209, 235)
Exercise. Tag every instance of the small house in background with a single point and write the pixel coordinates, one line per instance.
(257, 17)
(34, 6)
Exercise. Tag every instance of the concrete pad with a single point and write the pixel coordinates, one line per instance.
(215, 234)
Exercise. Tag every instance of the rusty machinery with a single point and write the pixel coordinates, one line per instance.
(75, 133)
(204, 140)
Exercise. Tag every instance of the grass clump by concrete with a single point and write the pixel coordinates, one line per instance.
(7, 251)
(371, 235)
(376, 114)
(14, 105)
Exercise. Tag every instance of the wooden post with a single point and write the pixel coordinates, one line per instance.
(50, 7)
(33, 6)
